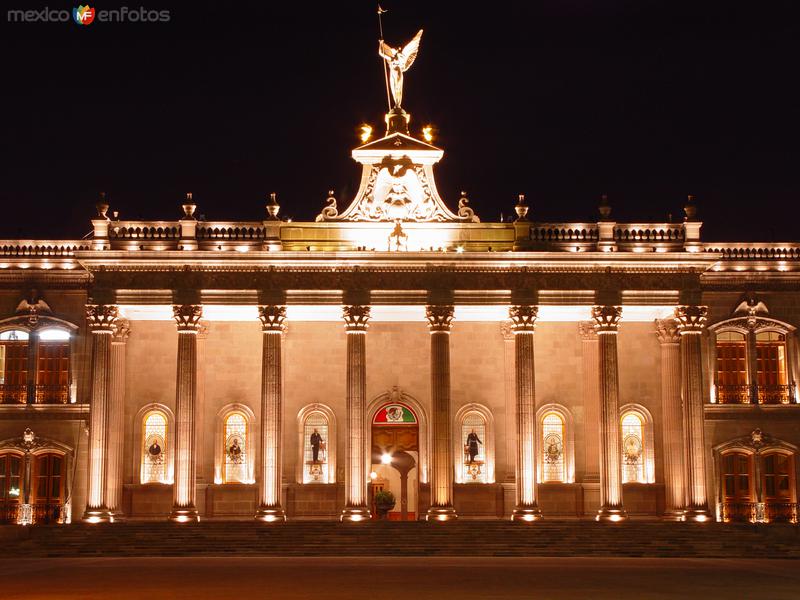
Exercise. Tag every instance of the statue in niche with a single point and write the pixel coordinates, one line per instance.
(317, 444)
(472, 445)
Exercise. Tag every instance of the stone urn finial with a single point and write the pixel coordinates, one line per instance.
(521, 208)
(189, 207)
(604, 208)
(102, 206)
(273, 207)
(690, 209)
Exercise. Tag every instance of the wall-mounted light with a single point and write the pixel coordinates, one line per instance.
(366, 133)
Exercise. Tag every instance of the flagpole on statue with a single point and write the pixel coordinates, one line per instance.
(383, 62)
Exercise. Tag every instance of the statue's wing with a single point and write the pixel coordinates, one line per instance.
(409, 53)
(385, 50)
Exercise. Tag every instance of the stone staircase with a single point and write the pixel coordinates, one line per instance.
(461, 538)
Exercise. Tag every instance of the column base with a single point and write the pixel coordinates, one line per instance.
(441, 513)
(697, 515)
(186, 514)
(98, 515)
(526, 514)
(676, 515)
(611, 515)
(273, 514)
(355, 514)
(118, 516)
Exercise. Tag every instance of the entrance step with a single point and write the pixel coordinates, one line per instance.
(465, 538)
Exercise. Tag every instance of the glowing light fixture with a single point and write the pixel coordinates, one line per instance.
(386, 458)
(366, 133)
(373, 475)
(460, 249)
(427, 133)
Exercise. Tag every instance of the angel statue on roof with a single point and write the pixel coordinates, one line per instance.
(399, 60)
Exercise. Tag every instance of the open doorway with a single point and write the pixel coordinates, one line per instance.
(395, 459)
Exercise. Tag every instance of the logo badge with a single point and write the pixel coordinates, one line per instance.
(83, 15)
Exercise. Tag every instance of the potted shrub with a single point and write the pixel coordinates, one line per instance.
(384, 502)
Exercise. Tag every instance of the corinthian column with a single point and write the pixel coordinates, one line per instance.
(440, 318)
(272, 324)
(523, 319)
(356, 320)
(606, 320)
(672, 418)
(100, 319)
(187, 318)
(691, 321)
(116, 418)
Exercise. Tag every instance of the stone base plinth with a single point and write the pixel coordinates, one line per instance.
(441, 513)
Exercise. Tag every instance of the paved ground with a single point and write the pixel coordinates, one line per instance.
(407, 578)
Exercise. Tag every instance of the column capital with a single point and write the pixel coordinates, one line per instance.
(187, 317)
(440, 317)
(356, 317)
(523, 317)
(272, 317)
(507, 330)
(606, 318)
(667, 331)
(587, 331)
(101, 317)
(691, 319)
(122, 331)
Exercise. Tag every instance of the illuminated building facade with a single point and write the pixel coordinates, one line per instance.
(278, 370)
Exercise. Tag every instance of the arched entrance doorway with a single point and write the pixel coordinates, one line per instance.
(395, 458)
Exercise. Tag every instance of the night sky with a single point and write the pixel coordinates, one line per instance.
(562, 101)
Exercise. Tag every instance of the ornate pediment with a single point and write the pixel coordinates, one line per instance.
(397, 184)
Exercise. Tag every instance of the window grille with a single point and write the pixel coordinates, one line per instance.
(236, 448)
(154, 448)
(633, 457)
(552, 448)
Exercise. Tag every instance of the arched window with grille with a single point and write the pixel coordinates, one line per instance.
(637, 445)
(317, 443)
(552, 448)
(771, 367)
(53, 369)
(155, 467)
(236, 450)
(14, 366)
(732, 378)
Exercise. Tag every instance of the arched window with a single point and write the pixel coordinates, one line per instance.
(633, 448)
(473, 437)
(10, 486)
(552, 448)
(52, 377)
(236, 448)
(778, 477)
(737, 490)
(771, 368)
(14, 366)
(317, 445)
(154, 448)
(49, 478)
(732, 380)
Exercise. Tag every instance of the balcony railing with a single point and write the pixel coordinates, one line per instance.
(760, 512)
(52, 394)
(32, 514)
(750, 394)
(774, 394)
(734, 394)
(13, 393)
